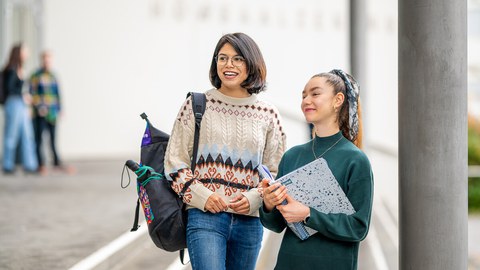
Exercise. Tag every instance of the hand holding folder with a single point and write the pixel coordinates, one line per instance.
(265, 174)
(313, 185)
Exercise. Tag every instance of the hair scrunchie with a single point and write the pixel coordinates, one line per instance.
(352, 89)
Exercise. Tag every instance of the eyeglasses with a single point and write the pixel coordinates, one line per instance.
(237, 60)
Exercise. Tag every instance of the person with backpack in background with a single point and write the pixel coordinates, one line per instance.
(18, 124)
(238, 133)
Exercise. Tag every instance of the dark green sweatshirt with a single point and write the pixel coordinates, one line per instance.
(335, 245)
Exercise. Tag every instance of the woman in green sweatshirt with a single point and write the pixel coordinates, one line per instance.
(330, 103)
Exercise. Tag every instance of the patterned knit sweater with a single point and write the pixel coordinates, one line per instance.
(236, 135)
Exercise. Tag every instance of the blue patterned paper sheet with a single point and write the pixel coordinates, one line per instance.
(315, 185)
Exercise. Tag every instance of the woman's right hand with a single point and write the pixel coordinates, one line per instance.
(215, 204)
(273, 195)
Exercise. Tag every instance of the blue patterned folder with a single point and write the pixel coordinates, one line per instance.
(315, 186)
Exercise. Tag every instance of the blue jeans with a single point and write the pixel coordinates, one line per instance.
(223, 240)
(18, 128)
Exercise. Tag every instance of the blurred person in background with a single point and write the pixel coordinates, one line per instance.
(45, 93)
(18, 124)
(330, 103)
(238, 133)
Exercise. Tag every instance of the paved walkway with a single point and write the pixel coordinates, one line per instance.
(55, 221)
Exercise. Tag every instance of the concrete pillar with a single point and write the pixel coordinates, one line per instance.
(358, 43)
(358, 29)
(432, 98)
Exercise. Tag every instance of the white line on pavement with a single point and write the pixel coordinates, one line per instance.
(103, 253)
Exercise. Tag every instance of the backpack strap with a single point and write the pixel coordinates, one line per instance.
(199, 102)
(135, 220)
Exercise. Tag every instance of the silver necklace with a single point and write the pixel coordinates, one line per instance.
(313, 148)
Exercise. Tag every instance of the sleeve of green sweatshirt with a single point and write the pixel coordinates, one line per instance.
(273, 220)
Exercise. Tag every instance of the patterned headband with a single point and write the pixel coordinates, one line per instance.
(352, 89)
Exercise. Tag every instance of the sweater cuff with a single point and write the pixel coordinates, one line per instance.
(264, 212)
(200, 195)
(254, 199)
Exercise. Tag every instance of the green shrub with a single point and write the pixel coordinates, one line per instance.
(473, 159)
(474, 194)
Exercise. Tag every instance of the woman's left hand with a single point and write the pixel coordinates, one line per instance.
(240, 204)
(293, 211)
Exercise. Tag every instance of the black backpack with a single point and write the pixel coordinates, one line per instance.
(163, 208)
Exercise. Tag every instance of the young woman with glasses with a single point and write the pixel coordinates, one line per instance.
(238, 133)
(330, 103)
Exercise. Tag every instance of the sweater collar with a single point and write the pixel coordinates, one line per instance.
(325, 142)
(232, 100)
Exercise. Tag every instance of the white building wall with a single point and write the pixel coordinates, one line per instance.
(117, 59)
(382, 74)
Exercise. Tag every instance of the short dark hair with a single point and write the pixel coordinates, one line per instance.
(248, 49)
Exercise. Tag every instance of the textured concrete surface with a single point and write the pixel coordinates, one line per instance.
(57, 220)
(54, 221)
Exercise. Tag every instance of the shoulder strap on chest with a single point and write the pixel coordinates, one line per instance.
(199, 102)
